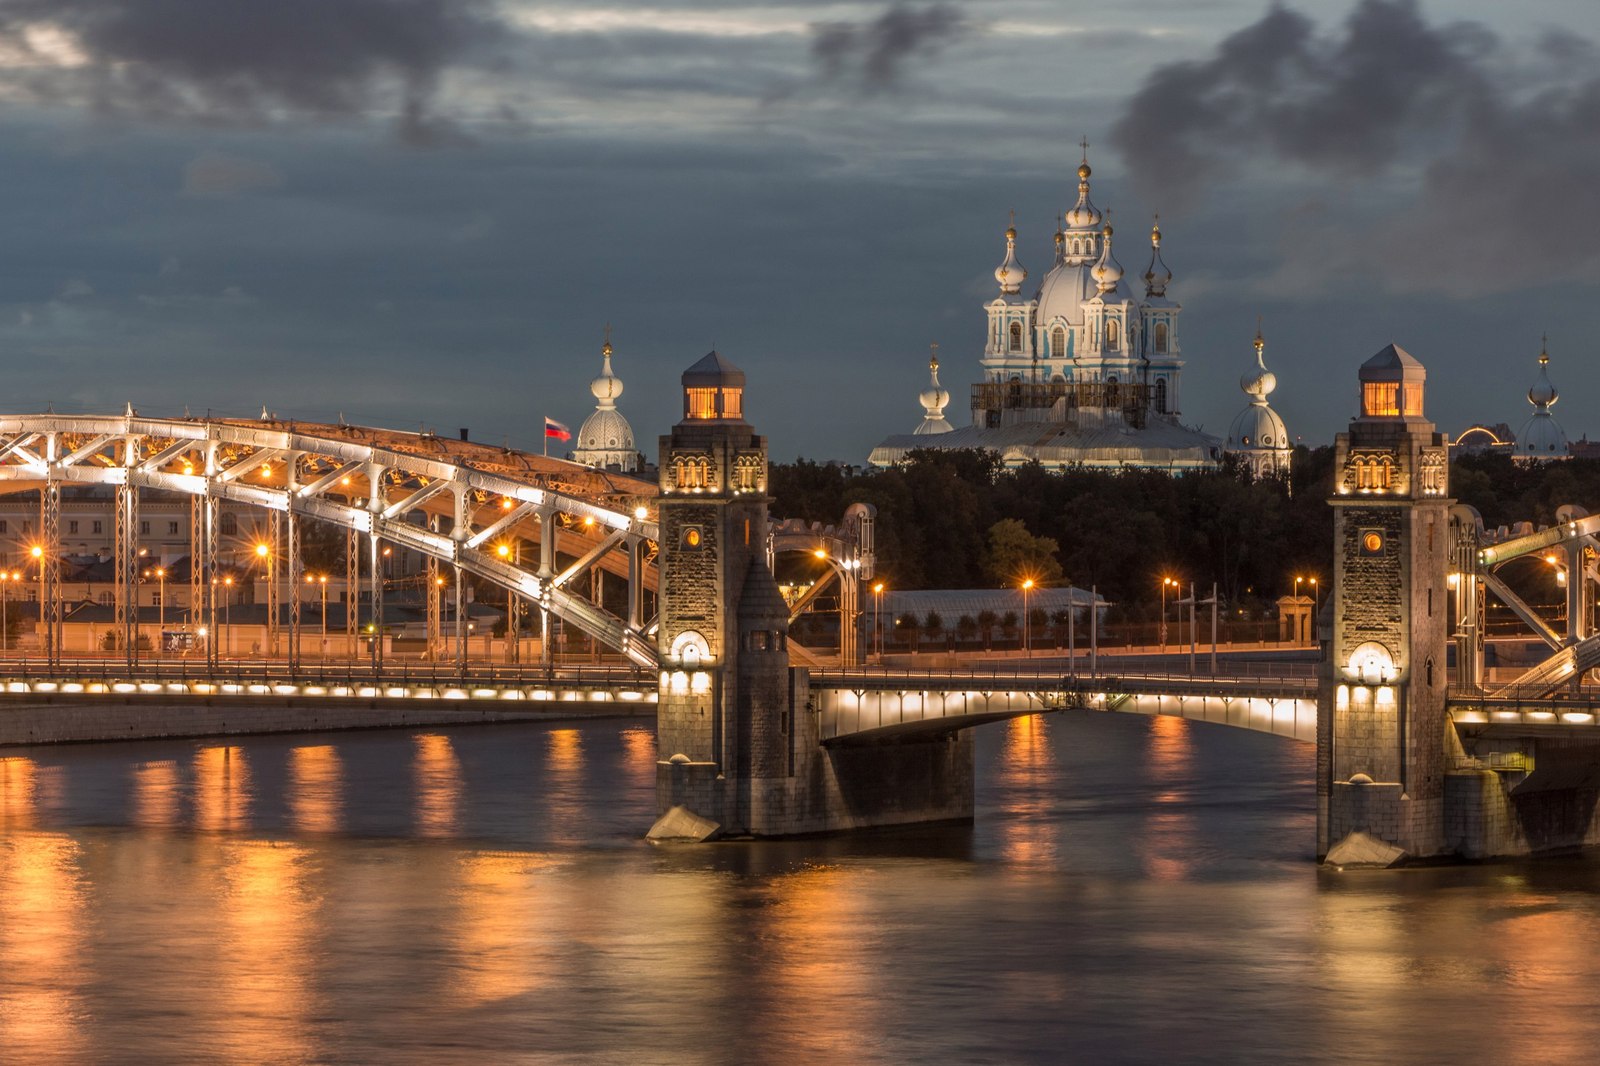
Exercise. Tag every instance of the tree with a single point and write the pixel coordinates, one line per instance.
(987, 620)
(909, 625)
(1008, 624)
(933, 625)
(1014, 553)
(966, 628)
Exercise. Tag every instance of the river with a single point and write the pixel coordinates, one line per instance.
(1134, 890)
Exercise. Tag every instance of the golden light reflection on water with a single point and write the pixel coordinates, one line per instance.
(563, 796)
(155, 793)
(41, 938)
(221, 789)
(639, 756)
(1167, 841)
(1027, 764)
(437, 773)
(820, 959)
(268, 924)
(504, 928)
(316, 782)
(16, 792)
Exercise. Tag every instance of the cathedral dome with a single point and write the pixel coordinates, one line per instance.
(1062, 293)
(1156, 277)
(934, 399)
(1257, 426)
(1011, 273)
(1258, 433)
(606, 430)
(1542, 437)
(1107, 272)
(1258, 382)
(1083, 214)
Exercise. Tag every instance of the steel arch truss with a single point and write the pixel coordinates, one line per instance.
(450, 501)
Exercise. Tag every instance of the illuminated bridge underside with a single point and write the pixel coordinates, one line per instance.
(856, 714)
(328, 473)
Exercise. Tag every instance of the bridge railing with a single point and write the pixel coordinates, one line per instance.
(345, 672)
(1291, 678)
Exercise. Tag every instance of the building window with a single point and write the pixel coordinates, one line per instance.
(1058, 342)
(702, 403)
(1113, 340)
(2, 525)
(1161, 396)
(692, 472)
(106, 599)
(97, 527)
(1161, 337)
(155, 598)
(1016, 336)
(144, 529)
(1113, 392)
(732, 403)
(72, 527)
(172, 528)
(230, 525)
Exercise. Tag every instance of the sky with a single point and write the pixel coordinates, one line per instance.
(424, 213)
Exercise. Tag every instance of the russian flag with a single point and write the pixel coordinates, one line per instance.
(554, 430)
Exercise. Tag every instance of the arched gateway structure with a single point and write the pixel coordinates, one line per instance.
(451, 501)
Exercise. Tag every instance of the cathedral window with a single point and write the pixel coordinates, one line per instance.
(1161, 337)
(1016, 336)
(1161, 395)
(1058, 342)
(1113, 391)
(1113, 340)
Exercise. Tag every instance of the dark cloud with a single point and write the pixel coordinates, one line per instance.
(200, 59)
(1392, 99)
(873, 52)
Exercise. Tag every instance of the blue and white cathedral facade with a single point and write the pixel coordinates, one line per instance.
(1085, 371)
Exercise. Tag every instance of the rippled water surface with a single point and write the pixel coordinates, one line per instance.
(1134, 890)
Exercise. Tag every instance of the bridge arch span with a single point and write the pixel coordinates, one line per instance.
(447, 500)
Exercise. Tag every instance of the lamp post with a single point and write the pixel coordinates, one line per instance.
(877, 628)
(227, 615)
(322, 582)
(5, 630)
(161, 611)
(1027, 632)
(506, 552)
(37, 552)
(264, 553)
(1166, 583)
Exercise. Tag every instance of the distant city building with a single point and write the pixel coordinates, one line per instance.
(1083, 372)
(605, 439)
(1541, 438)
(1258, 435)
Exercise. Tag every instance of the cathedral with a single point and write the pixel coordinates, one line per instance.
(1085, 371)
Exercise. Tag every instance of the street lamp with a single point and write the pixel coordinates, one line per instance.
(5, 630)
(1166, 583)
(161, 610)
(877, 628)
(37, 551)
(227, 614)
(1027, 635)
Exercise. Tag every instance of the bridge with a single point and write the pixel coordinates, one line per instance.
(1410, 761)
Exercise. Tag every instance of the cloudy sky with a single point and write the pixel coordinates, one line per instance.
(424, 212)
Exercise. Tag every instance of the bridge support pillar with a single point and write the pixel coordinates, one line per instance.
(738, 738)
(1384, 741)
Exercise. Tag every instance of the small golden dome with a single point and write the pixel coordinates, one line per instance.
(1107, 230)
(1083, 172)
(1011, 233)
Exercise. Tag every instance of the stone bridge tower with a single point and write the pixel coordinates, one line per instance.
(739, 747)
(1383, 737)
(725, 680)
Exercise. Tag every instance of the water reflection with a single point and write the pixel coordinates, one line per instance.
(639, 757)
(1026, 767)
(1167, 843)
(436, 773)
(156, 793)
(316, 798)
(16, 792)
(222, 788)
(269, 924)
(564, 796)
(42, 956)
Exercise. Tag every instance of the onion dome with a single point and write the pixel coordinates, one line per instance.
(1543, 394)
(1157, 276)
(1259, 383)
(1542, 437)
(1061, 243)
(1011, 274)
(934, 398)
(606, 439)
(607, 387)
(1107, 272)
(1258, 429)
(1083, 215)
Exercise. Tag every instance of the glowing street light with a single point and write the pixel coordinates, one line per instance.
(1166, 583)
(1027, 634)
(877, 629)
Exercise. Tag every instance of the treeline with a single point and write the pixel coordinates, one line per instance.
(1122, 531)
